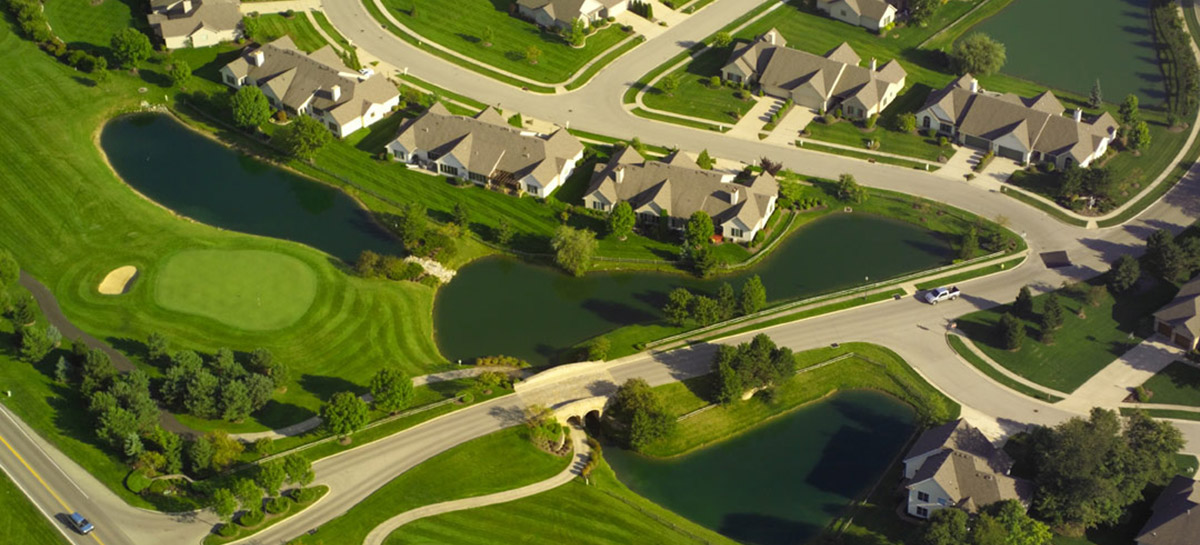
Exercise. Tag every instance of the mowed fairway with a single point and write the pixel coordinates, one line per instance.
(253, 290)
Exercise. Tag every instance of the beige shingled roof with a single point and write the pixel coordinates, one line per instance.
(216, 15)
(1184, 310)
(969, 482)
(299, 78)
(1171, 521)
(874, 9)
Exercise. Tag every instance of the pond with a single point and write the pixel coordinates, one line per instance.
(500, 305)
(1107, 39)
(210, 183)
(785, 481)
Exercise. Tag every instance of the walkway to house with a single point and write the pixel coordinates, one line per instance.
(961, 163)
(752, 123)
(1114, 383)
(790, 126)
(651, 29)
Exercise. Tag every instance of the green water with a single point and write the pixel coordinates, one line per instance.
(210, 183)
(783, 482)
(501, 305)
(1067, 44)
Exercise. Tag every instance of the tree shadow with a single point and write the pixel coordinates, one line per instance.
(325, 386)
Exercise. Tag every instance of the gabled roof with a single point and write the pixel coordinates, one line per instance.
(969, 482)
(1171, 521)
(215, 15)
(1184, 310)
(873, 9)
(843, 54)
(961, 436)
(566, 11)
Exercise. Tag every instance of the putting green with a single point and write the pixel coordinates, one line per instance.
(254, 290)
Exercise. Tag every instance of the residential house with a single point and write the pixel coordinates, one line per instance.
(488, 151)
(871, 14)
(1171, 521)
(955, 465)
(676, 187)
(316, 84)
(561, 14)
(1179, 321)
(1022, 129)
(195, 23)
(818, 82)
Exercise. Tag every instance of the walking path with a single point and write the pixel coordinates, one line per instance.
(1004, 370)
(582, 454)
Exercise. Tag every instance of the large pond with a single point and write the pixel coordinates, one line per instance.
(783, 482)
(1106, 39)
(497, 305)
(203, 180)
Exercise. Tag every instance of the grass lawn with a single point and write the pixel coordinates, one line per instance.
(82, 22)
(512, 37)
(696, 97)
(272, 26)
(20, 521)
(329, 29)
(1083, 346)
(501, 461)
(1178, 384)
(976, 273)
(873, 368)
(600, 513)
(865, 155)
(247, 289)
(847, 133)
(965, 353)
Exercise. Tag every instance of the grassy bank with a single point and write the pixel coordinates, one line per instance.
(968, 275)
(20, 521)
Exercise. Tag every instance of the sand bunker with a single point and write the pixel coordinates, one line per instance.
(119, 280)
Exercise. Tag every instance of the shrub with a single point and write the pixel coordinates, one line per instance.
(252, 517)
(226, 530)
(137, 481)
(870, 122)
(304, 495)
(500, 361)
(160, 486)
(278, 505)
(431, 281)
(467, 397)
(1142, 394)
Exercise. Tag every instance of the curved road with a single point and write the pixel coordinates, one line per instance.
(915, 331)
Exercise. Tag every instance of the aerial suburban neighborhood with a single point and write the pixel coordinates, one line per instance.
(475, 272)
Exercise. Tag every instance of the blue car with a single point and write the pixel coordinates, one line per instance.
(81, 524)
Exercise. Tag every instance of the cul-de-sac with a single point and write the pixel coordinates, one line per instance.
(600, 272)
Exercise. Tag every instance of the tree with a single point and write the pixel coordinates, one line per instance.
(668, 84)
(849, 190)
(504, 232)
(1139, 136)
(578, 32)
(532, 53)
(906, 122)
(705, 310)
(486, 36)
(10, 270)
(98, 372)
(699, 230)
(754, 295)
(248, 492)
(1096, 98)
(678, 309)
(756, 364)
(270, 477)
(919, 11)
(414, 223)
(235, 401)
(34, 344)
(970, 244)
(226, 449)
(157, 346)
(705, 161)
(721, 39)
(620, 220)
(200, 454)
(304, 137)
(1124, 274)
(1052, 313)
(298, 468)
(977, 54)
(574, 249)
(130, 47)
(344, 414)
(946, 527)
(226, 365)
(1129, 112)
(727, 301)
(62, 371)
(1164, 256)
(391, 389)
(179, 72)
(99, 70)
(729, 386)
(224, 504)
(1012, 331)
(1023, 306)
(260, 388)
(1014, 524)
(640, 414)
(462, 215)
(250, 107)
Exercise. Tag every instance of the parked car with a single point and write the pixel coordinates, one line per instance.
(933, 297)
(81, 524)
(366, 73)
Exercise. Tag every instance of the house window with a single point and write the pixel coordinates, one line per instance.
(477, 177)
(922, 496)
(532, 189)
(447, 169)
(229, 80)
(735, 232)
(401, 156)
(598, 205)
(333, 126)
(926, 122)
(922, 512)
(843, 13)
(646, 217)
(942, 502)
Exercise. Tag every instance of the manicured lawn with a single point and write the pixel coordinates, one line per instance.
(890, 141)
(1178, 384)
(965, 353)
(501, 461)
(866, 156)
(79, 22)
(246, 289)
(329, 29)
(272, 26)
(873, 368)
(1082, 347)
(20, 521)
(461, 31)
(602, 513)
(696, 97)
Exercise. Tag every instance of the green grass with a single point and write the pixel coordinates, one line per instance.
(20, 521)
(965, 353)
(602, 513)
(1165, 413)
(968, 275)
(246, 289)
(867, 156)
(272, 26)
(269, 521)
(873, 368)
(641, 112)
(946, 39)
(443, 92)
(823, 309)
(890, 141)
(695, 97)
(1177, 384)
(329, 29)
(501, 461)
(1083, 346)
(1054, 211)
(512, 36)
(82, 23)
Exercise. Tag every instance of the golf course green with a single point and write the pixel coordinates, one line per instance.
(255, 290)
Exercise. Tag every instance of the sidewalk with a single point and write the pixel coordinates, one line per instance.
(751, 124)
(1004, 370)
(1114, 383)
(280, 6)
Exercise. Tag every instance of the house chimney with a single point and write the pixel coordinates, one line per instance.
(771, 37)
(733, 196)
(872, 64)
(257, 57)
(620, 174)
(187, 6)
(336, 92)
(1078, 115)
(974, 85)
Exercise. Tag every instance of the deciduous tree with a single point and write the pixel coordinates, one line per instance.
(250, 107)
(849, 190)
(391, 389)
(754, 295)
(180, 72)
(721, 39)
(10, 270)
(304, 137)
(678, 309)
(574, 249)
(668, 84)
(224, 504)
(344, 414)
(621, 220)
(977, 54)
(130, 47)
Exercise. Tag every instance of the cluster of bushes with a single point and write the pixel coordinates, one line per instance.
(786, 203)
(373, 265)
(755, 365)
(645, 9)
(220, 387)
(638, 416)
(545, 432)
(245, 496)
(500, 361)
(1175, 53)
(984, 161)
(683, 308)
(419, 237)
(778, 115)
(32, 21)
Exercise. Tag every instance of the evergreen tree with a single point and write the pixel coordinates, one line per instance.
(462, 215)
(754, 295)
(705, 161)
(970, 244)
(1052, 313)
(344, 414)
(705, 310)
(235, 401)
(1096, 98)
(1023, 307)
(180, 73)
(727, 301)
(1129, 112)
(678, 309)
(1124, 274)
(1012, 331)
(157, 346)
(200, 454)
